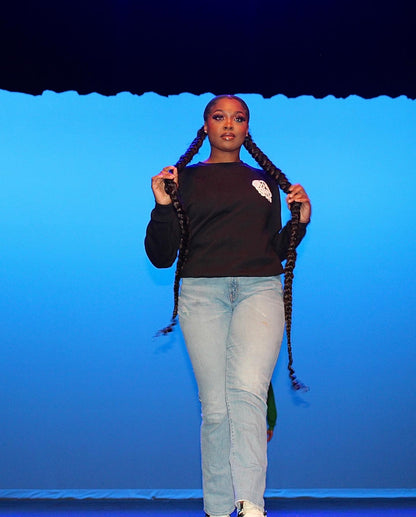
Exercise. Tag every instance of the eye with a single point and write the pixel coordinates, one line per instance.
(218, 116)
(240, 118)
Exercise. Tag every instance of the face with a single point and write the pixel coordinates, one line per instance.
(226, 125)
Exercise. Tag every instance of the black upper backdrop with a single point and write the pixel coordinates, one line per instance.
(290, 47)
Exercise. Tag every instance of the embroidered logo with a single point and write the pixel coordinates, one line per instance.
(263, 189)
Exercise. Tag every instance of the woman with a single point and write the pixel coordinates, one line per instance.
(224, 218)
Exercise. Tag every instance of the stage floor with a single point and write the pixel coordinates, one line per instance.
(299, 507)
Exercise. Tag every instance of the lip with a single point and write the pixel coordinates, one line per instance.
(228, 136)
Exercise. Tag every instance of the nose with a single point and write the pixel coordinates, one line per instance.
(228, 123)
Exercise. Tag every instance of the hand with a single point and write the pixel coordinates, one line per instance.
(158, 184)
(269, 435)
(297, 193)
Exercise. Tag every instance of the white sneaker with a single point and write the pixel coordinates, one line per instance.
(250, 510)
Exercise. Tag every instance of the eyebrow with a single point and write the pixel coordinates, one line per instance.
(235, 112)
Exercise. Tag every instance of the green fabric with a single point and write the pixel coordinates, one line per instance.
(271, 409)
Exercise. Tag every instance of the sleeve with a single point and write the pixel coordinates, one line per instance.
(162, 236)
(271, 409)
(281, 236)
(281, 239)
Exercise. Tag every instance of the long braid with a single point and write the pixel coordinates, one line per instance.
(285, 185)
(172, 189)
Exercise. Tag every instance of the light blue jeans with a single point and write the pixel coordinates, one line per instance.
(233, 329)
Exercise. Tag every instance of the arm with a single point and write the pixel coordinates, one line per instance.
(162, 236)
(163, 232)
(281, 239)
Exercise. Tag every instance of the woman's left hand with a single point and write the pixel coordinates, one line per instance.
(297, 193)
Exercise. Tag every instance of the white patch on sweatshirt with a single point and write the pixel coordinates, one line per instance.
(263, 189)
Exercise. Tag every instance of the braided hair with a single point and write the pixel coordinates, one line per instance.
(283, 183)
(172, 189)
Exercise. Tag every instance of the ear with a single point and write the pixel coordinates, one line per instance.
(205, 129)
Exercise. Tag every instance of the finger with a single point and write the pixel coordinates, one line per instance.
(297, 193)
(295, 189)
(170, 169)
(169, 172)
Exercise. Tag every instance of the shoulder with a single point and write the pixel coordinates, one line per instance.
(191, 169)
(260, 175)
(194, 167)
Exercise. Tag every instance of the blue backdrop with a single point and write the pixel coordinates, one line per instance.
(89, 399)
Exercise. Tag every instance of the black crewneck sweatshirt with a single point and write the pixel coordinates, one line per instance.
(234, 212)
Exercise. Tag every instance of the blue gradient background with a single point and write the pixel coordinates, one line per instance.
(89, 399)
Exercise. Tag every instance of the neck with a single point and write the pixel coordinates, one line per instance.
(223, 157)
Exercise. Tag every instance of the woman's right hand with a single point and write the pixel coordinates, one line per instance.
(158, 184)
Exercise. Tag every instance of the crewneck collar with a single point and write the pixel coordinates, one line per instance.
(221, 163)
